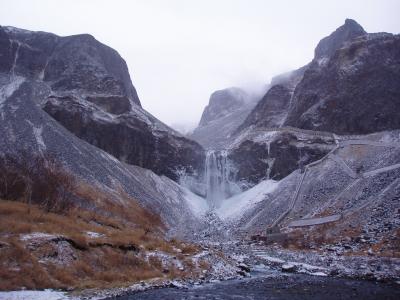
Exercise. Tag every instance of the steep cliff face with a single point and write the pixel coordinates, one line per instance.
(337, 39)
(92, 96)
(222, 103)
(24, 126)
(226, 110)
(271, 110)
(275, 154)
(354, 91)
(351, 86)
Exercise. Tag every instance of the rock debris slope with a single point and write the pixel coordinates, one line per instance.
(358, 180)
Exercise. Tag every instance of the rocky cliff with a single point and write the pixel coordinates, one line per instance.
(350, 87)
(226, 110)
(271, 110)
(91, 94)
(25, 127)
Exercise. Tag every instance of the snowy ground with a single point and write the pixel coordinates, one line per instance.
(34, 295)
(234, 207)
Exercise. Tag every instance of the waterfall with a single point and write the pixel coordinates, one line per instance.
(218, 185)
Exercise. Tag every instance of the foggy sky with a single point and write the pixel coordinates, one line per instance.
(180, 51)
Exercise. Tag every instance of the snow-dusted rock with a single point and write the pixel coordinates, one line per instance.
(89, 92)
(289, 267)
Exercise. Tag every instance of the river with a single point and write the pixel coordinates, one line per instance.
(276, 287)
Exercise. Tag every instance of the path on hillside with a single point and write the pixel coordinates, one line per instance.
(341, 142)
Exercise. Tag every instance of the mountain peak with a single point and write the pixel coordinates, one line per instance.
(223, 102)
(348, 31)
(351, 22)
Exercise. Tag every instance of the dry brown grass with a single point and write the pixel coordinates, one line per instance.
(113, 259)
(45, 198)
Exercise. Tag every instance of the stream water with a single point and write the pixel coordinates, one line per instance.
(277, 287)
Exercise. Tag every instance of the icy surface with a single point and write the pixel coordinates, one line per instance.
(218, 183)
(235, 207)
(33, 295)
(197, 204)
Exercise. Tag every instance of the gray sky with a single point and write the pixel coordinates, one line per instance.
(180, 51)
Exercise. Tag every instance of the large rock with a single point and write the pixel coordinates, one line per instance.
(92, 96)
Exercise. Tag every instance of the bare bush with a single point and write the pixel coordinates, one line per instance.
(36, 179)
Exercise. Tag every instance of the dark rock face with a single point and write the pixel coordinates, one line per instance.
(114, 105)
(354, 91)
(7, 53)
(272, 109)
(289, 79)
(93, 97)
(351, 87)
(289, 154)
(137, 143)
(222, 103)
(251, 162)
(81, 61)
(328, 45)
(276, 158)
(226, 110)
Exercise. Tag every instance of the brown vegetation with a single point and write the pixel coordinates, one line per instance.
(37, 179)
(72, 258)
(94, 238)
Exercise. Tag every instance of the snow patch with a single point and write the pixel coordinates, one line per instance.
(37, 131)
(37, 295)
(8, 89)
(271, 259)
(93, 234)
(197, 204)
(36, 235)
(234, 207)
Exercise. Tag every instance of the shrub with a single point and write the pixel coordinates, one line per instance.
(37, 179)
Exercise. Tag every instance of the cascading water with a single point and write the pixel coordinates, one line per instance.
(218, 185)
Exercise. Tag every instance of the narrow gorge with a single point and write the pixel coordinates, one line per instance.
(294, 186)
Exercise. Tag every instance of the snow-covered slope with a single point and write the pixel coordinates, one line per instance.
(234, 207)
